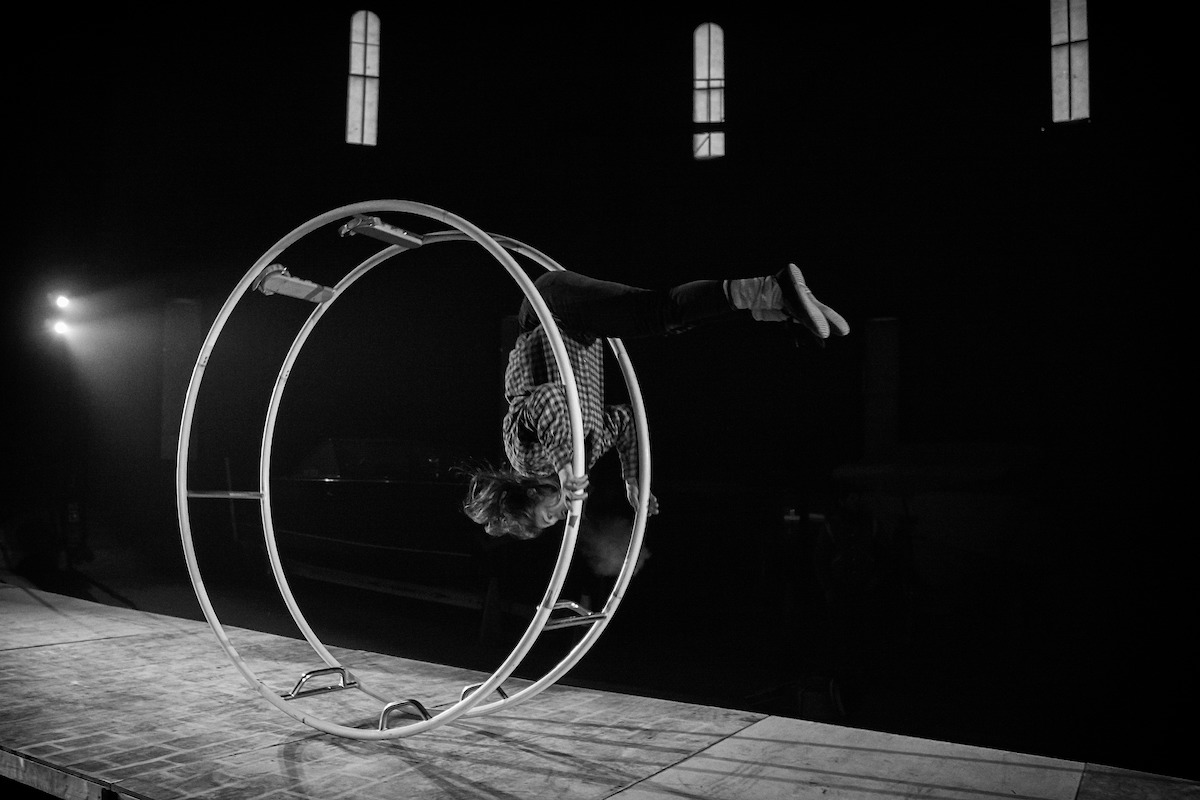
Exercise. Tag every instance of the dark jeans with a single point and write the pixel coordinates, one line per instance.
(605, 309)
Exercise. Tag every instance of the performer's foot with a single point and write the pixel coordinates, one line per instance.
(785, 297)
(800, 305)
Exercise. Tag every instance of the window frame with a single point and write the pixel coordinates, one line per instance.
(362, 88)
(708, 92)
(1070, 84)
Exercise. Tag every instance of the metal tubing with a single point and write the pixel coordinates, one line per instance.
(183, 494)
(225, 495)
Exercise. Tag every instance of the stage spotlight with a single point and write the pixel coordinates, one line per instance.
(62, 301)
(61, 328)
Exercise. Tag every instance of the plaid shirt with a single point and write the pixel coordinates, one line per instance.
(537, 427)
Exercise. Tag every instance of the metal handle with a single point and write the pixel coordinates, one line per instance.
(345, 681)
(409, 705)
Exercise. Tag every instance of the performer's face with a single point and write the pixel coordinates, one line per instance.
(550, 508)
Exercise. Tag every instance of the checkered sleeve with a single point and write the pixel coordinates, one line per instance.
(621, 433)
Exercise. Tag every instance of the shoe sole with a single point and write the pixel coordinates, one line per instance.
(808, 313)
(837, 322)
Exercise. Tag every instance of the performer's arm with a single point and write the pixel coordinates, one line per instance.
(620, 420)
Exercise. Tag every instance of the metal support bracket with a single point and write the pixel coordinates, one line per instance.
(275, 279)
(345, 681)
(470, 690)
(409, 706)
(378, 229)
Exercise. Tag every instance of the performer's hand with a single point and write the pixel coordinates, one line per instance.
(631, 492)
(572, 488)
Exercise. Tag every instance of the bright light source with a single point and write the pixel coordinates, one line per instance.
(62, 301)
(61, 328)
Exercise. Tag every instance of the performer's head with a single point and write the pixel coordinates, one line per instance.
(506, 503)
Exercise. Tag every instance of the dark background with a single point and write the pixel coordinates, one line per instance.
(999, 445)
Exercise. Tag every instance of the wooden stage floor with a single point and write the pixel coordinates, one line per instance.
(105, 702)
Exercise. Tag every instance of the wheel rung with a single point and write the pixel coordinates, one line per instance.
(376, 228)
(222, 494)
(581, 616)
(568, 622)
(275, 279)
(225, 495)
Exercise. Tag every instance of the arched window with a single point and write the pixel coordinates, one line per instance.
(362, 96)
(708, 92)
(1069, 60)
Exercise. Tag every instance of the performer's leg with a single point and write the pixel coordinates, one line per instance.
(605, 308)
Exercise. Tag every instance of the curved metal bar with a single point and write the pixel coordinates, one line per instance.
(182, 460)
(566, 549)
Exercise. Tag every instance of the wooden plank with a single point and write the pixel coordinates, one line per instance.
(45, 778)
(780, 758)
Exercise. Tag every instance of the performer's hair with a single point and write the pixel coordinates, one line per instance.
(502, 500)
